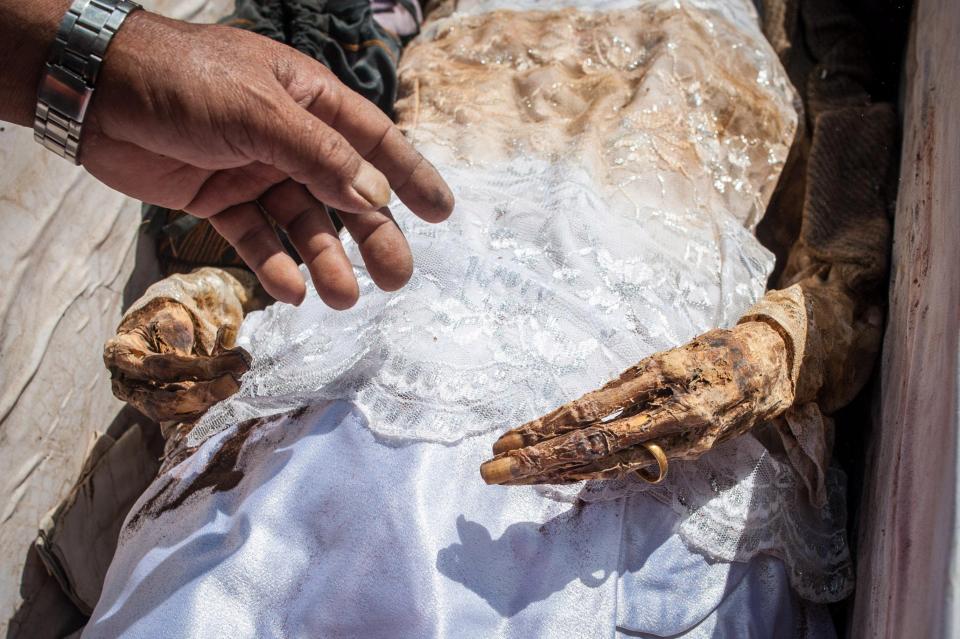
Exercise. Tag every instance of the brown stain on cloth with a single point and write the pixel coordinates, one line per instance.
(221, 474)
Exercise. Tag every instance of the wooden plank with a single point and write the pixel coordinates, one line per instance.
(907, 567)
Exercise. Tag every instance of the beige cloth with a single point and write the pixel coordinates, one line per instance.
(68, 253)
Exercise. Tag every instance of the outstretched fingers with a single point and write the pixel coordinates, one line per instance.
(314, 236)
(585, 446)
(257, 244)
(415, 181)
(635, 385)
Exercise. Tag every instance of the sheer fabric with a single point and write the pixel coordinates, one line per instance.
(608, 180)
(607, 217)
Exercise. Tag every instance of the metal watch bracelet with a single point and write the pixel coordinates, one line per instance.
(71, 72)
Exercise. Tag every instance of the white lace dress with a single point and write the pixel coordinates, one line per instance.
(611, 220)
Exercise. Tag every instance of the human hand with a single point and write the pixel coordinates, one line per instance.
(174, 354)
(234, 127)
(676, 404)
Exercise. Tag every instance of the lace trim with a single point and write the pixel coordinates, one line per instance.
(740, 500)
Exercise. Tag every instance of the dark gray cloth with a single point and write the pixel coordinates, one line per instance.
(341, 34)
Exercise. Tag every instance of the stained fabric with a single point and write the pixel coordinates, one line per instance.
(306, 526)
(365, 515)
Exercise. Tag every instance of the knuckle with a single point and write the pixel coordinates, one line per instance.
(328, 101)
(378, 149)
(408, 178)
(331, 145)
(311, 85)
(297, 223)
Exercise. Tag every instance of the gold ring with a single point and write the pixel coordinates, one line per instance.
(662, 463)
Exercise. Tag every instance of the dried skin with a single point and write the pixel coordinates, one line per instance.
(173, 355)
(806, 347)
(685, 400)
(823, 326)
(802, 348)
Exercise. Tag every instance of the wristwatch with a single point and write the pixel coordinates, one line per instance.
(71, 72)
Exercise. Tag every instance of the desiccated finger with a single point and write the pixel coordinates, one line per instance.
(129, 362)
(176, 402)
(628, 460)
(587, 445)
(636, 458)
(633, 386)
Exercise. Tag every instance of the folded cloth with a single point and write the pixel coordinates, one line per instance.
(342, 34)
(402, 17)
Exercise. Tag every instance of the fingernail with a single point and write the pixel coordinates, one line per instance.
(372, 186)
(497, 471)
(509, 441)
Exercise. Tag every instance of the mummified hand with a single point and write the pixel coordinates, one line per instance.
(683, 401)
(173, 355)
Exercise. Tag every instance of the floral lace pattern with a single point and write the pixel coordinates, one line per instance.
(574, 252)
(536, 291)
(739, 500)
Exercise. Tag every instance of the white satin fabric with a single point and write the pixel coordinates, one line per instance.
(332, 534)
(567, 259)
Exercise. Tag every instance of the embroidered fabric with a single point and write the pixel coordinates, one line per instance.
(532, 294)
(609, 167)
(740, 499)
(607, 184)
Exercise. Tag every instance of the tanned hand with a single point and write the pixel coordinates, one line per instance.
(237, 128)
